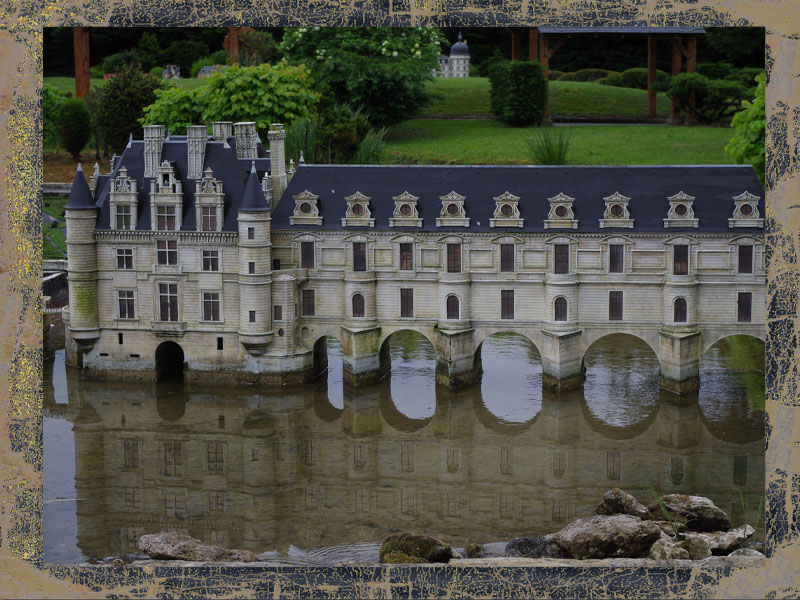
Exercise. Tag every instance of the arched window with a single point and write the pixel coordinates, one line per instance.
(452, 307)
(680, 310)
(560, 306)
(358, 305)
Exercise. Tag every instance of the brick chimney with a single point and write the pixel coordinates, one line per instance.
(196, 136)
(153, 141)
(246, 139)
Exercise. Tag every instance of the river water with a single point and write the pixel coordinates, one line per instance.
(319, 466)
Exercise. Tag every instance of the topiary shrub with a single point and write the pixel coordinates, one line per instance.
(714, 70)
(52, 100)
(614, 79)
(590, 74)
(74, 126)
(567, 77)
(96, 72)
(637, 78)
(746, 75)
(200, 63)
(220, 57)
(116, 62)
(157, 72)
(518, 92)
(498, 84)
(554, 75)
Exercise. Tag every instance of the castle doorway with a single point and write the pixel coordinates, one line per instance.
(169, 362)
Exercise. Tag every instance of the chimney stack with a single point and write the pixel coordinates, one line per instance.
(277, 160)
(153, 142)
(246, 140)
(196, 136)
(222, 130)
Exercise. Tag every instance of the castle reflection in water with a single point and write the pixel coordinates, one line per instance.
(261, 471)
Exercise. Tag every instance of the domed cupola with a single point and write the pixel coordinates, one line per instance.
(459, 48)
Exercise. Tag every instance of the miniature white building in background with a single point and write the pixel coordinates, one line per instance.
(457, 64)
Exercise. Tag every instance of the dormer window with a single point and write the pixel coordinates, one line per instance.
(616, 213)
(123, 201)
(745, 211)
(405, 211)
(209, 202)
(506, 211)
(165, 218)
(561, 215)
(681, 212)
(453, 212)
(358, 213)
(306, 209)
(166, 195)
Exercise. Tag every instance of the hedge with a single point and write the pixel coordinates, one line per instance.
(518, 92)
(591, 74)
(637, 78)
(715, 70)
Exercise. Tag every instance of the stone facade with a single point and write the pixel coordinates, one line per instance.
(246, 268)
(457, 64)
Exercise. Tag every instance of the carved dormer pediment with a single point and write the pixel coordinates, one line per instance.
(209, 202)
(357, 213)
(616, 213)
(561, 215)
(745, 211)
(453, 212)
(506, 211)
(681, 211)
(405, 212)
(123, 201)
(166, 194)
(306, 209)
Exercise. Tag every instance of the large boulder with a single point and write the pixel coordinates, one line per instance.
(722, 542)
(616, 536)
(407, 546)
(747, 552)
(617, 502)
(668, 529)
(540, 547)
(171, 545)
(699, 513)
(666, 550)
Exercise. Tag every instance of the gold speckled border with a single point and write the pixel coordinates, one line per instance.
(22, 573)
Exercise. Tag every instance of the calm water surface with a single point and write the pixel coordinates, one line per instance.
(321, 466)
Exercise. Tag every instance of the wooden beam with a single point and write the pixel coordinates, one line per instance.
(533, 44)
(677, 66)
(651, 75)
(515, 44)
(80, 41)
(691, 67)
(233, 43)
(544, 59)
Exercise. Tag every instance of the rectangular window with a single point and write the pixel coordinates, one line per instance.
(167, 251)
(744, 307)
(175, 505)
(307, 255)
(309, 308)
(251, 268)
(215, 456)
(216, 501)
(251, 233)
(252, 316)
(119, 339)
(211, 306)
(123, 217)
(406, 302)
(615, 258)
(276, 264)
(406, 257)
(506, 304)
(745, 259)
(407, 456)
(210, 260)
(165, 218)
(219, 343)
(680, 259)
(454, 258)
(126, 304)
(168, 301)
(277, 313)
(131, 454)
(506, 258)
(125, 258)
(133, 498)
(359, 256)
(562, 259)
(615, 306)
(173, 459)
(209, 218)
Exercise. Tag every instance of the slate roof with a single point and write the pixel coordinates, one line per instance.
(648, 187)
(622, 30)
(80, 196)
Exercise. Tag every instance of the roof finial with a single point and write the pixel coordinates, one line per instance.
(80, 168)
(302, 160)
(130, 140)
(253, 167)
(459, 36)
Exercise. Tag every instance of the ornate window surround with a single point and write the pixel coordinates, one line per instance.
(674, 219)
(746, 199)
(123, 193)
(166, 190)
(628, 245)
(358, 201)
(758, 254)
(566, 220)
(623, 219)
(668, 249)
(512, 219)
(412, 219)
(448, 218)
(311, 215)
(208, 192)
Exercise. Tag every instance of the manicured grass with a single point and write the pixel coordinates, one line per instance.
(470, 97)
(58, 237)
(67, 84)
(54, 206)
(436, 141)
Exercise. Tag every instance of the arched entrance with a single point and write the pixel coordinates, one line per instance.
(169, 362)
(328, 368)
(412, 377)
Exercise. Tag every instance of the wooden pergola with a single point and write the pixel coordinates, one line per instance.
(544, 42)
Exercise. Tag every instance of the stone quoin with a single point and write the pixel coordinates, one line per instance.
(202, 254)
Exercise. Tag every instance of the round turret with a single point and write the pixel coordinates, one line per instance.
(459, 48)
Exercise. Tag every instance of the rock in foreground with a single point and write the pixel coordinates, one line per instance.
(405, 547)
(700, 513)
(722, 542)
(666, 550)
(617, 536)
(171, 545)
(618, 502)
(540, 547)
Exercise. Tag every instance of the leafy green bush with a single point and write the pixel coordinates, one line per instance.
(637, 78)
(220, 57)
(116, 62)
(74, 126)
(549, 145)
(714, 98)
(613, 79)
(200, 63)
(567, 77)
(52, 100)
(746, 75)
(714, 70)
(96, 72)
(518, 92)
(590, 74)
(150, 52)
(370, 150)
(554, 75)
(485, 66)
(157, 72)
(747, 143)
(176, 108)
(184, 53)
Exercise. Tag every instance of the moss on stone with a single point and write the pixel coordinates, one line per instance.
(398, 558)
(415, 546)
(474, 550)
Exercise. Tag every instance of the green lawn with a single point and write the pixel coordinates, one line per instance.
(436, 141)
(54, 206)
(470, 97)
(67, 84)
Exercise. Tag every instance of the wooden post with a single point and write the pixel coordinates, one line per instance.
(80, 41)
(515, 44)
(651, 75)
(691, 67)
(533, 44)
(544, 60)
(677, 65)
(233, 43)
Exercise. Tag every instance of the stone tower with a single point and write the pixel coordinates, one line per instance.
(255, 267)
(277, 160)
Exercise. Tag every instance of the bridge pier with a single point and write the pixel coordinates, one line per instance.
(562, 360)
(680, 361)
(456, 366)
(364, 360)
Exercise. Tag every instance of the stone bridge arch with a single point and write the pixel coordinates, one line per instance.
(711, 337)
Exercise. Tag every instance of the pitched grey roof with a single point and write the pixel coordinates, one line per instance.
(253, 199)
(80, 196)
(648, 187)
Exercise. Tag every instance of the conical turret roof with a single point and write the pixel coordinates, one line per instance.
(253, 199)
(80, 196)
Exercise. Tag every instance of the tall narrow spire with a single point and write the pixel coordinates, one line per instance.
(80, 196)
(253, 199)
